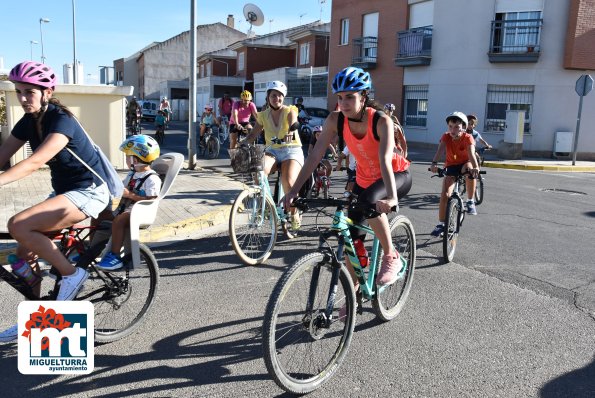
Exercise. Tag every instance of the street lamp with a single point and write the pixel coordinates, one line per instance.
(41, 21)
(31, 43)
(74, 65)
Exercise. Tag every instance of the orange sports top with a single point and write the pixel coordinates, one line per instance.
(365, 150)
(456, 150)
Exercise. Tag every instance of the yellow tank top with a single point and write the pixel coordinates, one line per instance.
(271, 129)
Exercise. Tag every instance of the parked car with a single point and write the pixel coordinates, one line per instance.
(318, 115)
(149, 109)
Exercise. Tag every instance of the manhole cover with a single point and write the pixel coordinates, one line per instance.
(558, 190)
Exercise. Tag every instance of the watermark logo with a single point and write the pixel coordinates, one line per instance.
(56, 337)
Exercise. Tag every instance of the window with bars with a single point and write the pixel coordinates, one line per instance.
(514, 32)
(241, 61)
(501, 98)
(415, 106)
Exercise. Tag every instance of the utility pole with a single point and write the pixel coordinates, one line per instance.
(192, 89)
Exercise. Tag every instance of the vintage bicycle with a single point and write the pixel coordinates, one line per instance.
(257, 212)
(305, 335)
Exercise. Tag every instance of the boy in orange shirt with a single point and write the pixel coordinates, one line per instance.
(460, 158)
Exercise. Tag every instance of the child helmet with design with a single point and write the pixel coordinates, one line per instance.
(142, 146)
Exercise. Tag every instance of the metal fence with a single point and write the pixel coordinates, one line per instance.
(307, 82)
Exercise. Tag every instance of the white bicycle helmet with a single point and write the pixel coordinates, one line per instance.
(458, 115)
(277, 85)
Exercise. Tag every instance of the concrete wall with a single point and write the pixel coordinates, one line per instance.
(100, 109)
(460, 72)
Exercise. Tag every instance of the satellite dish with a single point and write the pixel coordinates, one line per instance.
(253, 15)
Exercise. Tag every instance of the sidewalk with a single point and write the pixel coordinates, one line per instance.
(202, 198)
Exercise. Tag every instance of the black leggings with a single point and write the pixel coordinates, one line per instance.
(373, 194)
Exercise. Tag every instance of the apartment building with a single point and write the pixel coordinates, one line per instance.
(489, 57)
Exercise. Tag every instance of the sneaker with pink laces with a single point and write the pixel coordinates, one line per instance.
(392, 269)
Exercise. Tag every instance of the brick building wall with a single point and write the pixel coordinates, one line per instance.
(386, 77)
(579, 50)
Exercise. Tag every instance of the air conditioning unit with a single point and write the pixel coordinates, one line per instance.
(563, 143)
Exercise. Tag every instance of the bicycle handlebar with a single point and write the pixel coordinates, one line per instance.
(441, 172)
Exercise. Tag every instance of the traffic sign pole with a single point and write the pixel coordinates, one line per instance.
(583, 86)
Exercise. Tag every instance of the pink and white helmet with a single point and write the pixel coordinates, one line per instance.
(31, 72)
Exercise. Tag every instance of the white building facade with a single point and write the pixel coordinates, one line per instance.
(493, 56)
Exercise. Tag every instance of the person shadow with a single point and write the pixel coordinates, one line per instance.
(578, 383)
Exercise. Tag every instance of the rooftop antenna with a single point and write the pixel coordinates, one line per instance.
(301, 16)
(321, 3)
(270, 23)
(254, 16)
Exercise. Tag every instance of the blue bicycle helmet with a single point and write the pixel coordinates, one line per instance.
(351, 79)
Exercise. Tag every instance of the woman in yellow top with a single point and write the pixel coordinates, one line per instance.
(280, 121)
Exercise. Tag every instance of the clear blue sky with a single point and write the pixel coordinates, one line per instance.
(109, 30)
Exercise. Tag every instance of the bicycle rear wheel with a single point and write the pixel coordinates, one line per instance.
(389, 300)
(253, 226)
(479, 191)
(451, 227)
(159, 137)
(212, 148)
(121, 298)
(302, 347)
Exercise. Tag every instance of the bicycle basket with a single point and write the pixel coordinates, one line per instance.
(247, 159)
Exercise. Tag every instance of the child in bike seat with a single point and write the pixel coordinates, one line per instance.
(460, 158)
(141, 183)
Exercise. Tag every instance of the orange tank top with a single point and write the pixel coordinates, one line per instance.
(365, 150)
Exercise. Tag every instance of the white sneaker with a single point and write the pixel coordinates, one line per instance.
(9, 334)
(71, 285)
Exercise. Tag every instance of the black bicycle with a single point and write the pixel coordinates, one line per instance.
(455, 214)
(121, 298)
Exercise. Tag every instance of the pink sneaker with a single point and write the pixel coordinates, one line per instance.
(392, 269)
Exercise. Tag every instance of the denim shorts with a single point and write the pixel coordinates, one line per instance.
(91, 200)
(287, 153)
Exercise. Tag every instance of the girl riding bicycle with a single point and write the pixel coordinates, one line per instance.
(51, 130)
(382, 175)
(241, 111)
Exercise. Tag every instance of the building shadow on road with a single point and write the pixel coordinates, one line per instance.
(579, 383)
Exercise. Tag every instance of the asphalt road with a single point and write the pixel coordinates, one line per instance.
(512, 316)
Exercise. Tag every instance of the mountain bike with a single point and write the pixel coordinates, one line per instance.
(256, 213)
(455, 215)
(209, 143)
(121, 298)
(305, 335)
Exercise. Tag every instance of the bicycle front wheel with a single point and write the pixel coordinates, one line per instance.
(479, 191)
(253, 226)
(451, 229)
(212, 148)
(303, 347)
(389, 300)
(121, 298)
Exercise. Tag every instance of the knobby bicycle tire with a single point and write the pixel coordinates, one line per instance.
(389, 300)
(301, 352)
(121, 298)
(253, 234)
(451, 227)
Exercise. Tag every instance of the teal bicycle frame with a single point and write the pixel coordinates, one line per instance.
(341, 224)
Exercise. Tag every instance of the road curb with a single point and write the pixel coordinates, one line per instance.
(185, 227)
(558, 168)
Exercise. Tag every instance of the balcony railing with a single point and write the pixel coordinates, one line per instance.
(415, 47)
(365, 52)
(515, 40)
